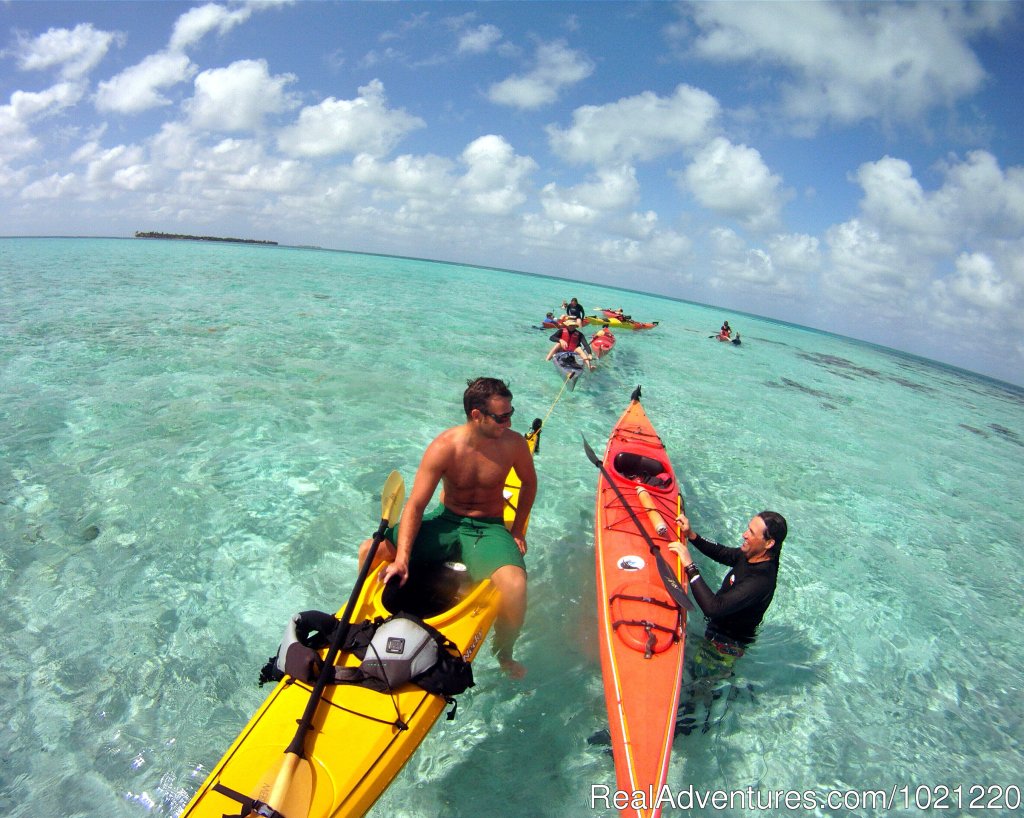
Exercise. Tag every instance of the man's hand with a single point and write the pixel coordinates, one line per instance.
(396, 569)
(684, 527)
(521, 543)
(681, 551)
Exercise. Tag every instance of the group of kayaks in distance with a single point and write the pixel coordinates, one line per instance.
(326, 742)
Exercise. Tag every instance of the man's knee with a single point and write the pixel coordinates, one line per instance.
(385, 550)
(510, 580)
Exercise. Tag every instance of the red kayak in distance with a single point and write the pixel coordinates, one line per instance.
(602, 342)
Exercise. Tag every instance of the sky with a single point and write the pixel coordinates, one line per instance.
(851, 167)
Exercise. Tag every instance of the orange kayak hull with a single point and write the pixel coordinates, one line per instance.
(640, 628)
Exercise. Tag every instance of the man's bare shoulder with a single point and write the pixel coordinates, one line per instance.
(513, 438)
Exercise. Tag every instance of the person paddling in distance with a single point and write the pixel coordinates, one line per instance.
(471, 462)
(570, 339)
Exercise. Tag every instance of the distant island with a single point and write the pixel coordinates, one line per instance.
(151, 235)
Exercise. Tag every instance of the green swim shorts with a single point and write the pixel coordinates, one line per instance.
(483, 544)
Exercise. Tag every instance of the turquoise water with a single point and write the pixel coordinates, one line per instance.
(193, 438)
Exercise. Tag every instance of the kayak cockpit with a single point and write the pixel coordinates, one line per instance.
(642, 469)
(431, 589)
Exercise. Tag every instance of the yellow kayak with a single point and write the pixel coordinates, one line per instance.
(361, 738)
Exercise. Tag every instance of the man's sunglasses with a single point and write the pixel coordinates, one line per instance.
(504, 418)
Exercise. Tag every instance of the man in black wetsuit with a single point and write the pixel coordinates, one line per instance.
(737, 609)
(733, 613)
(574, 309)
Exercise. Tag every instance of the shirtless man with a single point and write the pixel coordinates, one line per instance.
(471, 462)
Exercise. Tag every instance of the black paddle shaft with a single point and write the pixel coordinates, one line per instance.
(297, 746)
(668, 577)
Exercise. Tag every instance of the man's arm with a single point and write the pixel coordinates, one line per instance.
(590, 353)
(523, 464)
(428, 475)
(717, 551)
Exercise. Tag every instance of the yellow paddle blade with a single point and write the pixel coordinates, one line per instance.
(288, 786)
(392, 498)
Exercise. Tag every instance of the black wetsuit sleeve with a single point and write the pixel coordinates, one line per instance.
(585, 344)
(717, 551)
(556, 336)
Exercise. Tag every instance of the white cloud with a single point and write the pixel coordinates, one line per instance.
(977, 199)
(54, 186)
(480, 40)
(16, 138)
(865, 267)
(557, 66)
(895, 199)
(782, 267)
(139, 87)
(799, 255)
(361, 125)
(663, 250)
(239, 97)
(978, 282)
(852, 62)
(427, 176)
(196, 23)
(982, 198)
(561, 208)
(611, 189)
(641, 127)
(496, 177)
(122, 167)
(732, 180)
(541, 230)
(76, 51)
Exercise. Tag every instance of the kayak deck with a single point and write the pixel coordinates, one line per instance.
(361, 738)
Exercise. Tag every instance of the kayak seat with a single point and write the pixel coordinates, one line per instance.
(642, 469)
(431, 589)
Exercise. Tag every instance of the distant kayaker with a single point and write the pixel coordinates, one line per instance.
(570, 339)
(734, 613)
(574, 309)
(549, 321)
(471, 461)
(725, 331)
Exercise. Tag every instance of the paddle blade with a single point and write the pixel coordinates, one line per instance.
(671, 582)
(392, 498)
(593, 458)
(290, 787)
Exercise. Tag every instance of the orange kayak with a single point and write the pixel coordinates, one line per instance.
(641, 629)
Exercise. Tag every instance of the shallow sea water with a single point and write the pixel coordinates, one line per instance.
(193, 437)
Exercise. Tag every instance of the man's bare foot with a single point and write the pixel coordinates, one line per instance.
(513, 669)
